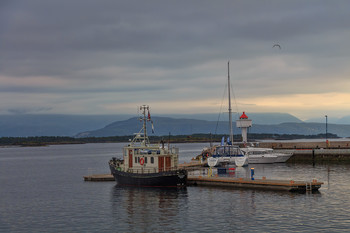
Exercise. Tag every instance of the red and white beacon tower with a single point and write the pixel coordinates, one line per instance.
(244, 123)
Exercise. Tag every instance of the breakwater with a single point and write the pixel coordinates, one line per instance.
(318, 151)
(306, 144)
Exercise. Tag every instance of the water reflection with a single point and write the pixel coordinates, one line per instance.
(147, 208)
(197, 209)
(39, 200)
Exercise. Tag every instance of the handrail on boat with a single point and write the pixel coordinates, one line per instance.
(152, 170)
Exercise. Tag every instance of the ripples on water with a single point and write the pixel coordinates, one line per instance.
(42, 190)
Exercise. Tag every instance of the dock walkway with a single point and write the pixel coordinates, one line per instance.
(100, 177)
(286, 185)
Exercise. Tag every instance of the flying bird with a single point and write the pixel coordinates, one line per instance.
(276, 45)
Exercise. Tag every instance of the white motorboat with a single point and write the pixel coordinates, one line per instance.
(260, 155)
(282, 157)
(265, 155)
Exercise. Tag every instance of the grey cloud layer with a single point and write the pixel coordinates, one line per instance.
(164, 42)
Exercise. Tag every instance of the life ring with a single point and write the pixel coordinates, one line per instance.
(142, 161)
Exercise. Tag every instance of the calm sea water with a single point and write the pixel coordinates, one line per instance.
(42, 190)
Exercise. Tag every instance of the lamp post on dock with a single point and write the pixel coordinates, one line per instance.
(326, 131)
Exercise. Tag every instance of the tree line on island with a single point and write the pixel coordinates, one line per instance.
(56, 140)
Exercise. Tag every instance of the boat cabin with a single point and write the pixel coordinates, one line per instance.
(138, 159)
(227, 151)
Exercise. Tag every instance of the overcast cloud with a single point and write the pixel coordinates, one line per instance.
(110, 56)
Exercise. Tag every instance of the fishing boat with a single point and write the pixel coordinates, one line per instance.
(148, 165)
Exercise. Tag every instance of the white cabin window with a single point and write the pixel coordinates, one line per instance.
(145, 159)
(152, 159)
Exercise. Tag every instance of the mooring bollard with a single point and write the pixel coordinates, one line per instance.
(252, 173)
(210, 172)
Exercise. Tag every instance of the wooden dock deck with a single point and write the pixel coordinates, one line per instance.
(101, 177)
(192, 164)
(285, 185)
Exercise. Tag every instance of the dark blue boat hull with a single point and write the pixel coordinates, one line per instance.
(176, 178)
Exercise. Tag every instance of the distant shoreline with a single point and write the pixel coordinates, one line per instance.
(304, 150)
(264, 140)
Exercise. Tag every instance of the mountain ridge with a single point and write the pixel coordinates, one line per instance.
(166, 125)
(28, 125)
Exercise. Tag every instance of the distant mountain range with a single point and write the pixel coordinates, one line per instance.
(166, 125)
(343, 120)
(52, 125)
(257, 118)
(178, 124)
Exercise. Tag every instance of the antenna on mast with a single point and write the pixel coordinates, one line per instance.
(143, 133)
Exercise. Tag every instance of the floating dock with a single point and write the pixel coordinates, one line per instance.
(192, 164)
(102, 177)
(283, 185)
(219, 181)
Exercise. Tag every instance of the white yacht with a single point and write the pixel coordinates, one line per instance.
(230, 154)
(226, 152)
(282, 157)
(259, 155)
(265, 155)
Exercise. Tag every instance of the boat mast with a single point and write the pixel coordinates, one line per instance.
(143, 108)
(229, 102)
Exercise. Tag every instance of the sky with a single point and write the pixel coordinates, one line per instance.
(111, 56)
